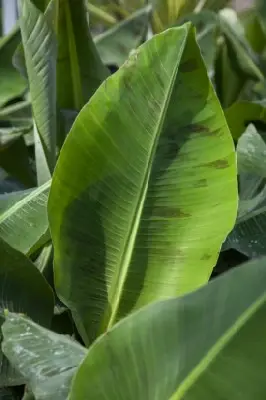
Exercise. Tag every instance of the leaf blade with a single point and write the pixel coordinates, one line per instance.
(45, 359)
(137, 191)
(39, 45)
(201, 354)
(25, 212)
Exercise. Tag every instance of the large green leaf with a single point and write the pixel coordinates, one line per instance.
(115, 44)
(142, 185)
(207, 345)
(23, 219)
(39, 45)
(11, 83)
(46, 360)
(23, 289)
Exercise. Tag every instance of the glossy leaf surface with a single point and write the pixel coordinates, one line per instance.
(46, 360)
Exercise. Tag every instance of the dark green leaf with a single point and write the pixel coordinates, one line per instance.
(254, 31)
(206, 23)
(115, 44)
(209, 344)
(12, 85)
(8, 394)
(22, 289)
(14, 156)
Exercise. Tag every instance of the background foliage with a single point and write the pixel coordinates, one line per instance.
(132, 176)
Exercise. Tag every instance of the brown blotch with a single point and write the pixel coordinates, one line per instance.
(218, 164)
(196, 128)
(206, 257)
(167, 212)
(189, 65)
(201, 183)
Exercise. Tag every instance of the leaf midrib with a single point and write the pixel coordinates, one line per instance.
(133, 231)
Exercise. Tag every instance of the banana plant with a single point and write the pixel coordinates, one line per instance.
(109, 260)
(141, 186)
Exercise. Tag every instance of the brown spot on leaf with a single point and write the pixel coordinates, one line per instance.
(195, 128)
(206, 256)
(189, 65)
(201, 183)
(168, 212)
(218, 164)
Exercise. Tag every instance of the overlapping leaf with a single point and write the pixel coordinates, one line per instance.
(248, 235)
(24, 290)
(80, 70)
(242, 113)
(206, 24)
(46, 360)
(12, 85)
(236, 62)
(115, 44)
(14, 156)
(23, 219)
(206, 345)
(39, 46)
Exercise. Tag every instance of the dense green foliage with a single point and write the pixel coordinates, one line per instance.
(132, 175)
